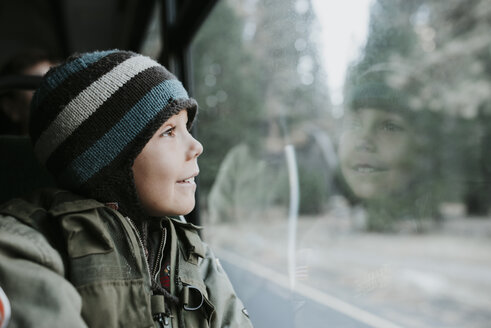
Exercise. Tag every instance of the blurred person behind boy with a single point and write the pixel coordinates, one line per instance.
(14, 104)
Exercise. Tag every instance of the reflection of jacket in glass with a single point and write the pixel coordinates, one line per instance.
(414, 212)
(248, 184)
(66, 261)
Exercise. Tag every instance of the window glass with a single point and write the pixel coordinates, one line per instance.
(345, 177)
(152, 41)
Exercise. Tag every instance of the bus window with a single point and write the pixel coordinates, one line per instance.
(345, 177)
(152, 38)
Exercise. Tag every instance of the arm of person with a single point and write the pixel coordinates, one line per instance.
(32, 277)
(229, 310)
(222, 199)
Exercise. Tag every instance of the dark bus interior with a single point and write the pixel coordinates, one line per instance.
(61, 28)
(291, 92)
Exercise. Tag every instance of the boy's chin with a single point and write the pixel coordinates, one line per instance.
(188, 208)
(186, 212)
(182, 210)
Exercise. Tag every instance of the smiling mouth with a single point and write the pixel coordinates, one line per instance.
(365, 168)
(187, 181)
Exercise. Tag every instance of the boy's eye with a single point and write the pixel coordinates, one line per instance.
(352, 124)
(168, 132)
(391, 126)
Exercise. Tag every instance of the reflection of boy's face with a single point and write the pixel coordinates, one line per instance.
(375, 151)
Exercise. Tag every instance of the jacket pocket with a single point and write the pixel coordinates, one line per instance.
(117, 303)
(86, 235)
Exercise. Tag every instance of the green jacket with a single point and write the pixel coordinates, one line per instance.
(66, 261)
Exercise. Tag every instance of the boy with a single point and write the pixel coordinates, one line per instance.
(112, 128)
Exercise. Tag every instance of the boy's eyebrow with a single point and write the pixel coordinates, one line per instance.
(165, 125)
(397, 117)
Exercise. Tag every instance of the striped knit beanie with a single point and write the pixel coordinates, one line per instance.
(93, 114)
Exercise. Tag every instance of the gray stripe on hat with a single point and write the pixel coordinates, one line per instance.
(86, 103)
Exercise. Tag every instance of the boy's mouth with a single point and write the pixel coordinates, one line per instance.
(188, 180)
(367, 168)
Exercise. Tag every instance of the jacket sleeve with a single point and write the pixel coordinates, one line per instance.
(229, 310)
(222, 200)
(32, 277)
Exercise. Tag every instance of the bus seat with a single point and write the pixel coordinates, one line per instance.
(20, 172)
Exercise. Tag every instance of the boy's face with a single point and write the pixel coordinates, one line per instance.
(164, 171)
(375, 152)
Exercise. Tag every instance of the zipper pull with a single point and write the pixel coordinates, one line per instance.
(166, 321)
(162, 319)
(159, 310)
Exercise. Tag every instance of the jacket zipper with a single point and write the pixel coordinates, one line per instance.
(162, 320)
(160, 254)
(142, 247)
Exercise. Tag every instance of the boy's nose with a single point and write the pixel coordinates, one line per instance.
(366, 143)
(195, 149)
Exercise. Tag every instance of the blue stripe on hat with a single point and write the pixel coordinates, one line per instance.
(103, 152)
(56, 78)
(70, 117)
